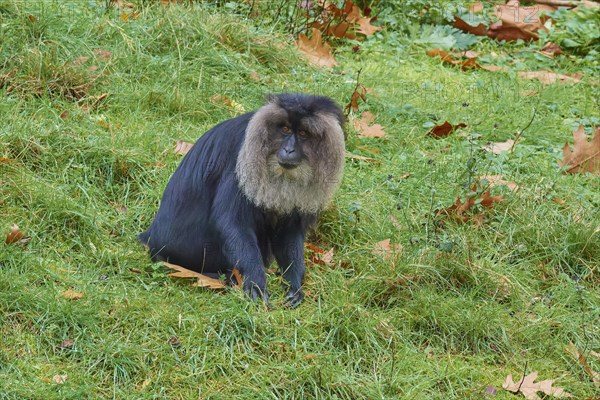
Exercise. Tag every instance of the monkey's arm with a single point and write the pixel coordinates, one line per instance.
(242, 252)
(233, 218)
(288, 249)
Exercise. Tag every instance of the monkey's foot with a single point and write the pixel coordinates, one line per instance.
(294, 298)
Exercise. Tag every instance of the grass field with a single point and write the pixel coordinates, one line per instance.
(456, 310)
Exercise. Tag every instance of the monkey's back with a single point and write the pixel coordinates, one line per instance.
(202, 188)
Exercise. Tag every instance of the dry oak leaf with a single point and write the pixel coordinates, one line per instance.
(60, 379)
(359, 93)
(102, 55)
(361, 158)
(518, 22)
(385, 249)
(495, 180)
(479, 30)
(341, 30)
(549, 77)
(585, 155)
(365, 27)
(182, 148)
(447, 58)
(458, 212)
(445, 129)
(580, 358)
(236, 274)
(499, 147)
(14, 235)
(320, 256)
(201, 280)
(66, 344)
(130, 16)
(366, 130)
(528, 388)
(317, 52)
(551, 49)
(70, 294)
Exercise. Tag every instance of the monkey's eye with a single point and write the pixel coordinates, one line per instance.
(303, 134)
(285, 129)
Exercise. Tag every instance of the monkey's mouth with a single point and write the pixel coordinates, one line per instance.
(290, 171)
(287, 165)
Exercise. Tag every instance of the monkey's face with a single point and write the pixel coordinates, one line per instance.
(291, 144)
(293, 154)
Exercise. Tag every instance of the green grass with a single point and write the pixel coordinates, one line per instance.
(457, 310)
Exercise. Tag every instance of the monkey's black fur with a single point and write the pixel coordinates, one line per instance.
(206, 223)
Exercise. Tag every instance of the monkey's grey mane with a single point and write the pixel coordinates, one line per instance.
(311, 186)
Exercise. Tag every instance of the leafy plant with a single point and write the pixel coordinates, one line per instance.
(576, 31)
(400, 15)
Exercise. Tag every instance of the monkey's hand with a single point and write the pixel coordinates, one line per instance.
(256, 288)
(294, 298)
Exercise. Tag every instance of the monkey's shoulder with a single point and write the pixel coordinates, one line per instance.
(215, 152)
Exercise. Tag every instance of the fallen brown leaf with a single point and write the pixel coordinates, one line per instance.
(130, 16)
(529, 93)
(494, 68)
(491, 390)
(201, 280)
(549, 77)
(445, 129)
(499, 147)
(581, 359)
(459, 212)
(14, 235)
(360, 93)
(182, 148)
(60, 379)
(447, 58)
(395, 222)
(102, 55)
(4, 160)
(551, 49)
(529, 388)
(585, 155)
(79, 61)
(66, 344)
(320, 256)
(317, 52)
(365, 129)
(385, 249)
(518, 22)
(495, 180)
(254, 76)
(123, 5)
(479, 30)
(70, 294)
(361, 158)
(238, 278)
(341, 30)
(365, 27)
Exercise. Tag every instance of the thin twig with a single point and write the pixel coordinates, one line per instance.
(520, 133)
(522, 379)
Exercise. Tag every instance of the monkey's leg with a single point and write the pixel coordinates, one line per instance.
(289, 254)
